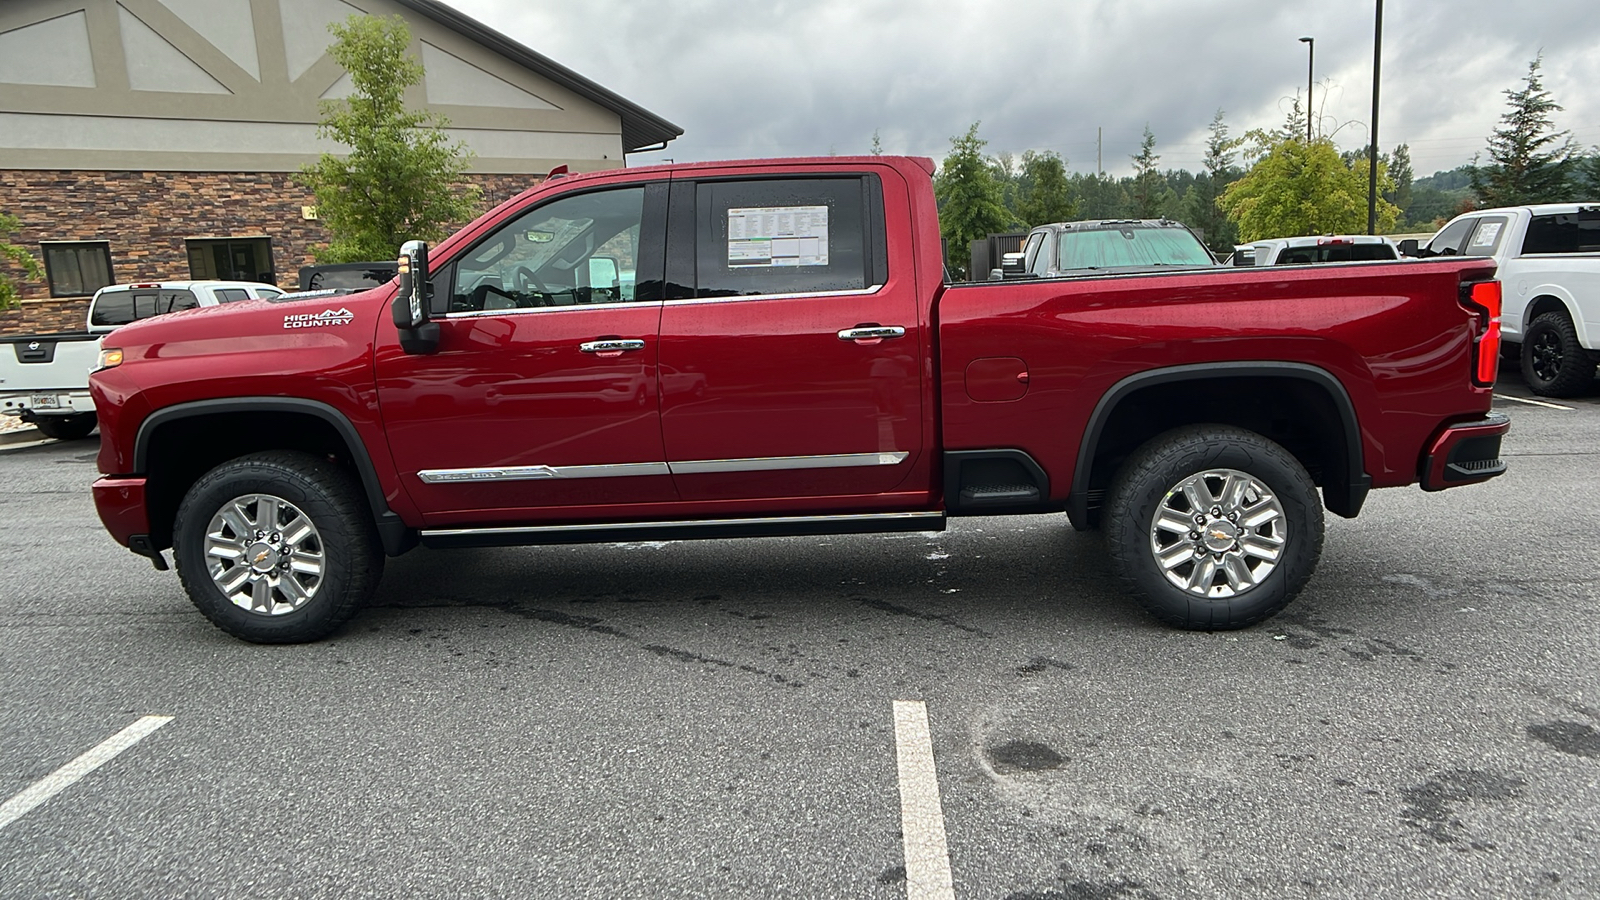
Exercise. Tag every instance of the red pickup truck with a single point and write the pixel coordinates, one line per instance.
(772, 348)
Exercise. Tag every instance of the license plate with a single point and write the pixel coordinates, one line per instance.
(44, 401)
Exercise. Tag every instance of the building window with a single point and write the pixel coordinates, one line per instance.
(231, 259)
(77, 268)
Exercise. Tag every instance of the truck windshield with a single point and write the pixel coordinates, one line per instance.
(1130, 244)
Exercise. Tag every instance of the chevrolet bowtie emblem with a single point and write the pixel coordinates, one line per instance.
(1219, 535)
(262, 555)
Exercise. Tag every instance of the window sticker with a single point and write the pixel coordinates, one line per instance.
(1486, 234)
(769, 236)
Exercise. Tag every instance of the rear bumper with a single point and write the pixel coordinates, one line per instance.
(1464, 453)
(120, 502)
(51, 402)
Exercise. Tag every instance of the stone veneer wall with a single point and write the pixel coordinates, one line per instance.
(146, 216)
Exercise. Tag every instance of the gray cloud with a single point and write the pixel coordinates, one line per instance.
(789, 78)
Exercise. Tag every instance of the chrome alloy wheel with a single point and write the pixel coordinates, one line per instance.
(264, 554)
(1218, 533)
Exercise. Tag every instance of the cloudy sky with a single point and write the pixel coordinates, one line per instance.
(812, 77)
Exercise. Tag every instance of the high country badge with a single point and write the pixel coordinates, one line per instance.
(324, 319)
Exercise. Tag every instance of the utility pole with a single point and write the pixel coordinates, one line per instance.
(1372, 177)
(1099, 148)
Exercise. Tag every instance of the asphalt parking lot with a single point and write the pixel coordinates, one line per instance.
(823, 717)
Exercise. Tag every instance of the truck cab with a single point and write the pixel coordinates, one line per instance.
(1110, 245)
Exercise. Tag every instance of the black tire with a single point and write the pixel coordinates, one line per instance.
(1149, 482)
(343, 544)
(1554, 363)
(66, 428)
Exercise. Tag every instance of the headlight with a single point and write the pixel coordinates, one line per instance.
(109, 358)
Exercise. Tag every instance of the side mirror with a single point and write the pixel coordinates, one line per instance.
(1012, 265)
(1408, 247)
(410, 309)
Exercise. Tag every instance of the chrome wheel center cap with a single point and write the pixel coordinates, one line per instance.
(1220, 535)
(263, 558)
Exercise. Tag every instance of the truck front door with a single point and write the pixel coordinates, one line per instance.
(790, 355)
(542, 398)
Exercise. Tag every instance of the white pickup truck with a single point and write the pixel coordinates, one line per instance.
(1328, 248)
(44, 378)
(1548, 259)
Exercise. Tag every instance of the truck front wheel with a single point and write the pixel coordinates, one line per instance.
(1554, 363)
(276, 547)
(1213, 527)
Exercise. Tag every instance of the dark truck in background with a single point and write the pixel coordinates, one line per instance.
(355, 276)
(745, 349)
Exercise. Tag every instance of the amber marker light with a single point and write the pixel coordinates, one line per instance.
(109, 358)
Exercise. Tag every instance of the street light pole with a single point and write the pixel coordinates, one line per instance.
(1311, 60)
(1372, 177)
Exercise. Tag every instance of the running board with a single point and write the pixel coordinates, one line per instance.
(701, 529)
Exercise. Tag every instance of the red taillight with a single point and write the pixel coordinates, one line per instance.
(1484, 297)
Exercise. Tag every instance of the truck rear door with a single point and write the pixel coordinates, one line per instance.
(790, 362)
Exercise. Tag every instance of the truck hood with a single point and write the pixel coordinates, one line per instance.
(249, 324)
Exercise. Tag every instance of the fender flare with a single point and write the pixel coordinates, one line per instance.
(397, 537)
(1346, 502)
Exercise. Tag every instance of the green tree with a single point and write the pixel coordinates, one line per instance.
(1402, 176)
(1200, 208)
(971, 204)
(1529, 162)
(1296, 188)
(1147, 184)
(877, 145)
(1047, 196)
(402, 179)
(18, 258)
(1587, 182)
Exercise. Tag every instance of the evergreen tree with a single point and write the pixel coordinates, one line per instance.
(1046, 196)
(401, 180)
(14, 257)
(1200, 209)
(1147, 183)
(1400, 173)
(877, 145)
(1528, 161)
(970, 198)
(1294, 127)
(1587, 182)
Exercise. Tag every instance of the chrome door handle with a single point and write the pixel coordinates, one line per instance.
(612, 345)
(872, 333)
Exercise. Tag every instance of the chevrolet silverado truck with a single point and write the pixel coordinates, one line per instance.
(1548, 258)
(716, 350)
(44, 379)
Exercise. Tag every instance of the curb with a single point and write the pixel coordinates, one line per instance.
(21, 436)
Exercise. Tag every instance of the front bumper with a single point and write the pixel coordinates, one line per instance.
(1464, 453)
(120, 502)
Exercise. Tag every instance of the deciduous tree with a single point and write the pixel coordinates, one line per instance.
(1296, 188)
(402, 178)
(1047, 196)
(14, 257)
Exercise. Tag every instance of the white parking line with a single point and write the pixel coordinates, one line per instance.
(1532, 402)
(921, 818)
(64, 777)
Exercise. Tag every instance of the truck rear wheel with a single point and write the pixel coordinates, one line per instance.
(1213, 527)
(1554, 363)
(66, 428)
(277, 547)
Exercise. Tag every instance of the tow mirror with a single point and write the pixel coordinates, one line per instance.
(1012, 265)
(410, 309)
(1408, 247)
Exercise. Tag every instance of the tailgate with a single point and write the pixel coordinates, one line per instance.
(47, 362)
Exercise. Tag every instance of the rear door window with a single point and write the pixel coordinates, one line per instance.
(788, 236)
(232, 295)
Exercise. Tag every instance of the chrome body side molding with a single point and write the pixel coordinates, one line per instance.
(694, 529)
(693, 467)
